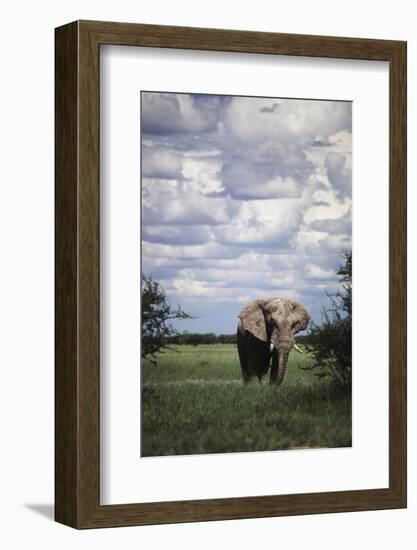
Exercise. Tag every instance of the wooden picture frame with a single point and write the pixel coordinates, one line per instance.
(77, 373)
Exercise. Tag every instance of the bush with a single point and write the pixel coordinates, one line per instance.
(156, 314)
(331, 342)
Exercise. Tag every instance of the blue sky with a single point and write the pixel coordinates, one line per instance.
(244, 198)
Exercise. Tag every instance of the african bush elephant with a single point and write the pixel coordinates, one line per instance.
(266, 332)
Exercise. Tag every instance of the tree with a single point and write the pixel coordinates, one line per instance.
(156, 314)
(331, 342)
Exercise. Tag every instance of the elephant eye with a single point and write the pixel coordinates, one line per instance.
(274, 308)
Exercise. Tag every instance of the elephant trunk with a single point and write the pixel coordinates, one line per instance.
(282, 366)
(283, 341)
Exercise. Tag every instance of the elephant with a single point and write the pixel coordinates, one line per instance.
(265, 336)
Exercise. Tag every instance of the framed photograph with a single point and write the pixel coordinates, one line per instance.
(230, 274)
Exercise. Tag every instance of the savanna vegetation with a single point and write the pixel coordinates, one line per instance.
(157, 314)
(330, 343)
(194, 401)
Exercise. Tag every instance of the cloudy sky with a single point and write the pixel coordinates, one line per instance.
(244, 198)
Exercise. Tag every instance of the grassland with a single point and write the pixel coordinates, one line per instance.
(193, 401)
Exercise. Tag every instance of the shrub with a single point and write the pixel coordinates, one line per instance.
(156, 314)
(331, 342)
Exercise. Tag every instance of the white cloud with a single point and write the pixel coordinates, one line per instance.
(159, 163)
(176, 234)
(298, 121)
(176, 203)
(245, 197)
(317, 272)
(211, 249)
(259, 223)
(176, 113)
(203, 173)
(340, 176)
(335, 226)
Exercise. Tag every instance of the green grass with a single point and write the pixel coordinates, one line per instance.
(194, 401)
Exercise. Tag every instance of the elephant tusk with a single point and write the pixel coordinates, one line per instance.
(298, 349)
(271, 347)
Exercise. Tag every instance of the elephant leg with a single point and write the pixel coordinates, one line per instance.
(242, 349)
(258, 358)
(254, 356)
(264, 362)
(253, 366)
(273, 378)
(247, 377)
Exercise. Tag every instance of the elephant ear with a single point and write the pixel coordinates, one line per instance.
(298, 316)
(253, 320)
